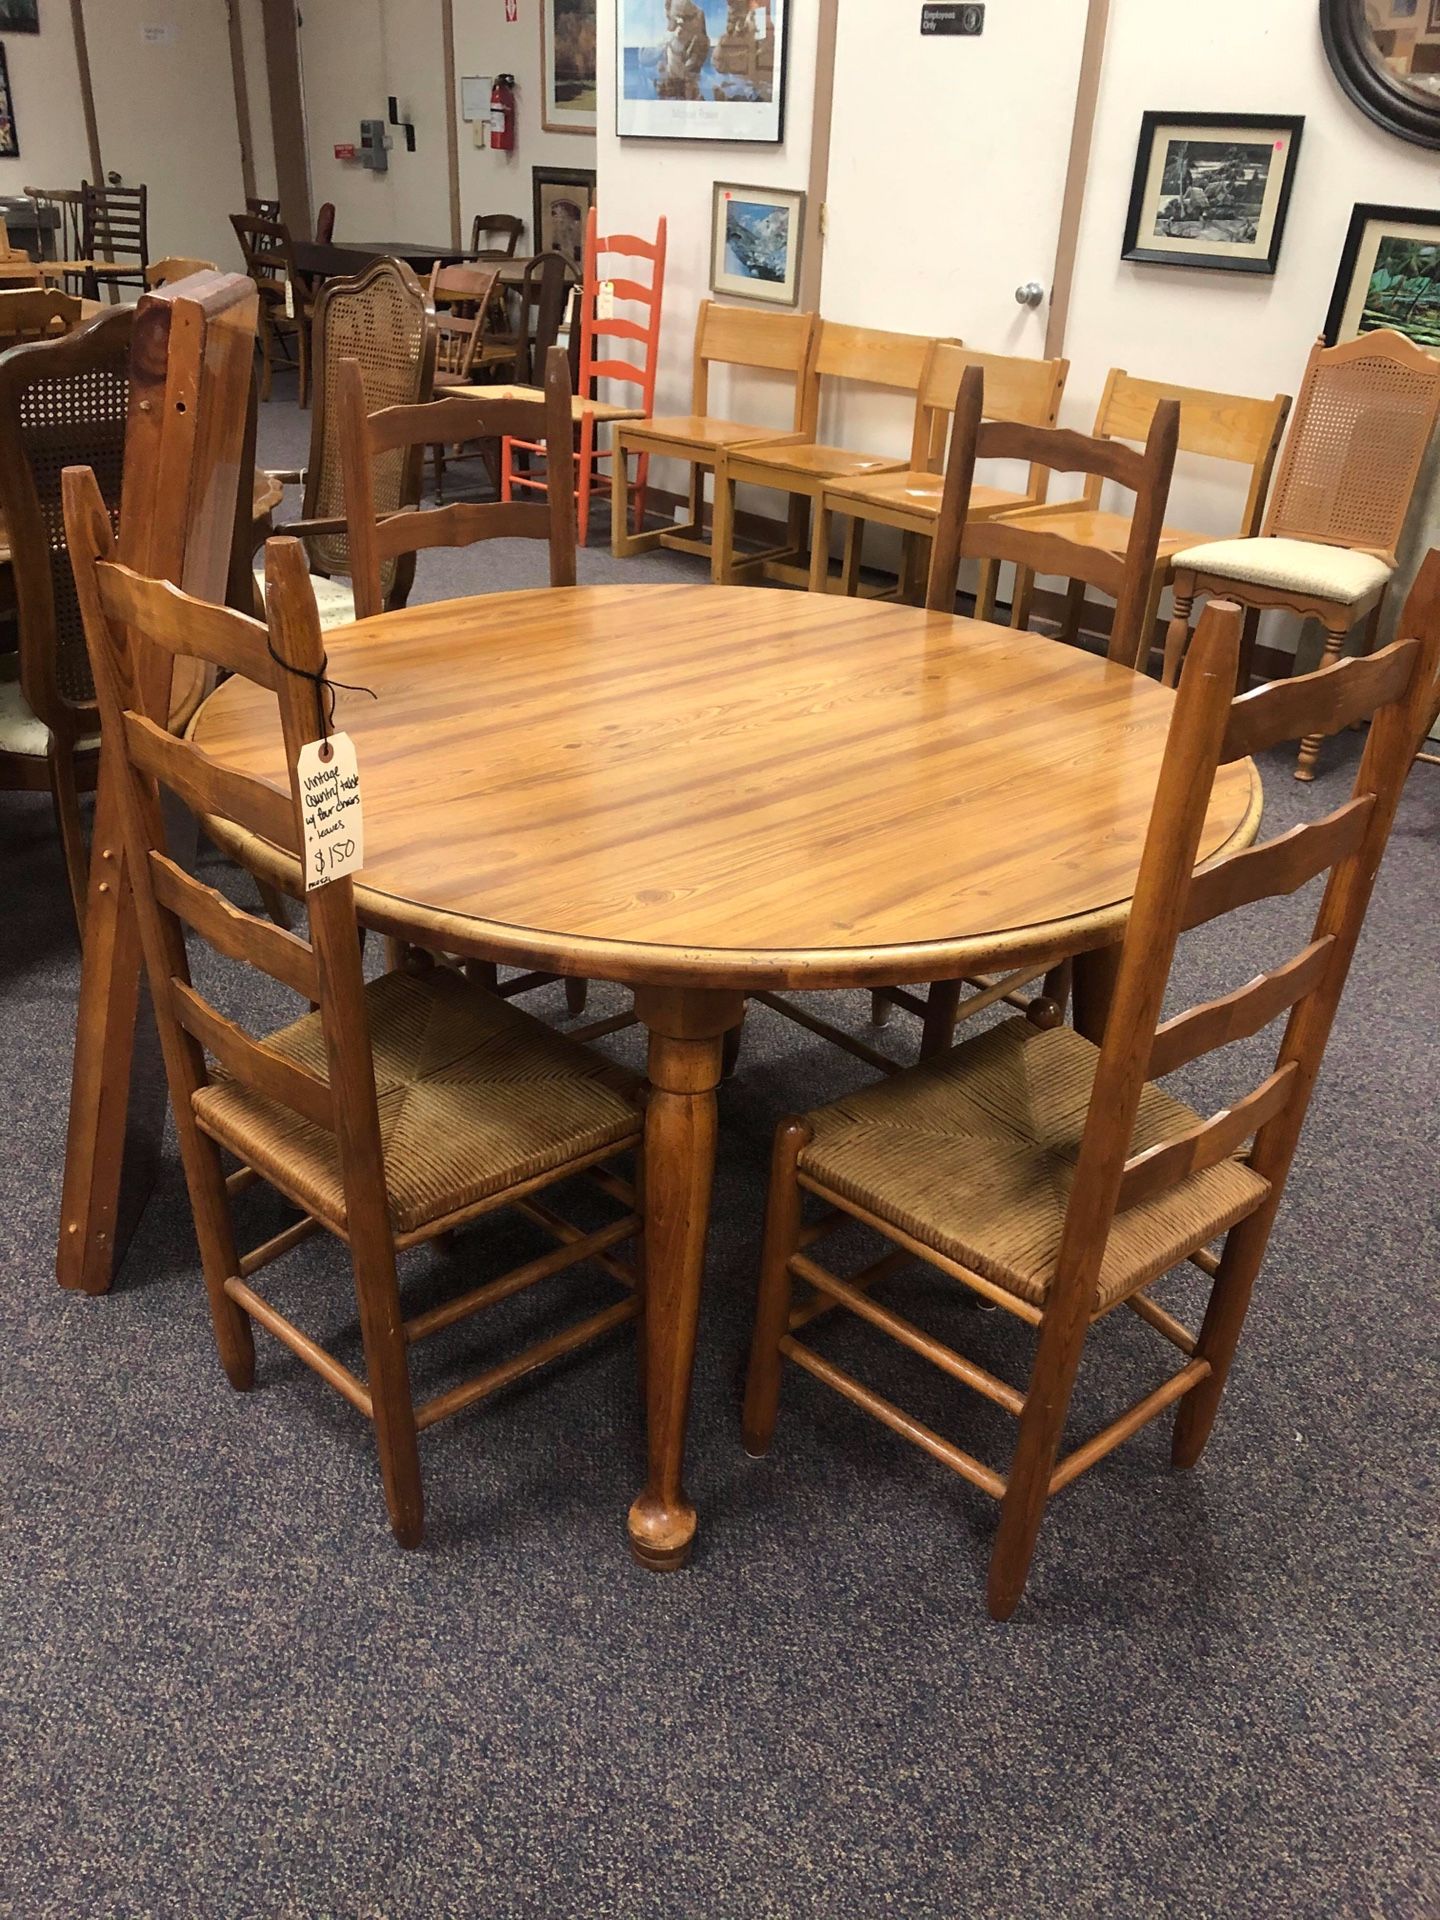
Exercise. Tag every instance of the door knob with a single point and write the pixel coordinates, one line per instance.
(1031, 294)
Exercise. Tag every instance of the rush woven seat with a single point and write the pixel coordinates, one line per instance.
(474, 1097)
(974, 1153)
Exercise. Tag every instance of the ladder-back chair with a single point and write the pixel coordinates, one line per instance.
(1215, 426)
(383, 320)
(1028, 391)
(286, 309)
(396, 1110)
(114, 237)
(801, 467)
(769, 342)
(1057, 1179)
(1326, 550)
(489, 228)
(465, 347)
(611, 279)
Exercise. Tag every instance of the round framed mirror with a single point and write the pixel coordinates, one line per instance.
(1386, 55)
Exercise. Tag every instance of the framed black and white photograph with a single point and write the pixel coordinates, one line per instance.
(568, 66)
(1212, 190)
(563, 197)
(9, 139)
(701, 69)
(1389, 276)
(755, 236)
(19, 16)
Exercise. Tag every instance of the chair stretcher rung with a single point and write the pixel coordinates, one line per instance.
(1155, 1316)
(567, 1235)
(539, 1355)
(891, 1416)
(1108, 1438)
(569, 1254)
(597, 1029)
(272, 1249)
(909, 1335)
(837, 1036)
(301, 1345)
(871, 1276)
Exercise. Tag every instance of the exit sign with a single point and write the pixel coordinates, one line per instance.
(966, 20)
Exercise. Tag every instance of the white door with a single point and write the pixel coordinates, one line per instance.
(947, 169)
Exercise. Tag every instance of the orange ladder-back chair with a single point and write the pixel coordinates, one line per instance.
(603, 289)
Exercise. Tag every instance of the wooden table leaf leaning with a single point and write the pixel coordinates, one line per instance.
(706, 792)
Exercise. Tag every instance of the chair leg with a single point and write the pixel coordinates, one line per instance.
(820, 548)
(1074, 611)
(1177, 633)
(642, 490)
(219, 1256)
(1056, 988)
(850, 559)
(942, 1003)
(985, 589)
(1147, 625)
(730, 1049)
(772, 1306)
(387, 1367)
(273, 902)
(881, 1007)
(620, 547)
(302, 329)
(1024, 594)
(577, 992)
(1220, 1334)
(1337, 628)
(507, 469)
(1027, 1487)
(722, 531)
(65, 792)
(1245, 671)
(585, 477)
(265, 355)
(437, 457)
(484, 973)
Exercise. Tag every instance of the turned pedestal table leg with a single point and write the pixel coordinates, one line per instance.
(686, 1032)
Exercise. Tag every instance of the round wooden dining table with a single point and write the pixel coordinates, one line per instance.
(706, 791)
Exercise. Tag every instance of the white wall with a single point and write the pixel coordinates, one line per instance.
(45, 93)
(257, 83)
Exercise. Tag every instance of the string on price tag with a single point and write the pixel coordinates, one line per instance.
(329, 781)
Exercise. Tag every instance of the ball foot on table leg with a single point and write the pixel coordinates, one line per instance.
(661, 1536)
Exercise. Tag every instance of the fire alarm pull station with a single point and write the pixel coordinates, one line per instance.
(346, 151)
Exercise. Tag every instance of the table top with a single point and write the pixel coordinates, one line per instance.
(579, 405)
(326, 257)
(734, 786)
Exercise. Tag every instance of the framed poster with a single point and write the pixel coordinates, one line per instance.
(9, 139)
(701, 69)
(567, 65)
(563, 197)
(1389, 276)
(19, 16)
(755, 235)
(1212, 190)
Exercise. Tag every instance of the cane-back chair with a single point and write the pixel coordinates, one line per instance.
(36, 313)
(614, 265)
(396, 1110)
(1057, 1179)
(1327, 547)
(801, 467)
(286, 307)
(1028, 391)
(1231, 427)
(114, 237)
(383, 320)
(756, 340)
(61, 401)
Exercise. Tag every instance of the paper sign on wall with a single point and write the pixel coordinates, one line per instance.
(160, 35)
(329, 782)
(475, 96)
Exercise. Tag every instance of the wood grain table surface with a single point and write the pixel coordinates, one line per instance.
(701, 791)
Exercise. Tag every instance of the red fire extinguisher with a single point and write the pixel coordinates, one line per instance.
(502, 112)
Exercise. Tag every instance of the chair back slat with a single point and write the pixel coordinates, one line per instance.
(36, 313)
(1149, 1174)
(740, 337)
(1029, 391)
(1278, 867)
(209, 789)
(1217, 426)
(231, 931)
(376, 537)
(250, 1061)
(217, 635)
(508, 225)
(1239, 1015)
(1323, 703)
(458, 334)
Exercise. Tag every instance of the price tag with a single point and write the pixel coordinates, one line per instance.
(329, 783)
(289, 300)
(605, 300)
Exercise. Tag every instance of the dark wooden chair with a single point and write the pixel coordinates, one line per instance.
(1057, 1179)
(261, 208)
(541, 300)
(325, 223)
(62, 401)
(495, 1107)
(114, 237)
(286, 304)
(496, 234)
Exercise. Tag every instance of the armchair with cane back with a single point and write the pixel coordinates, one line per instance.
(1058, 1179)
(389, 1113)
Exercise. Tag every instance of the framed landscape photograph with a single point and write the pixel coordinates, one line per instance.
(755, 235)
(1389, 276)
(9, 139)
(701, 69)
(1212, 190)
(567, 63)
(19, 16)
(563, 198)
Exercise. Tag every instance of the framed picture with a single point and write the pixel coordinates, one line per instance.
(1434, 26)
(19, 16)
(567, 63)
(755, 235)
(1389, 276)
(9, 139)
(563, 198)
(1212, 190)
(701, 69)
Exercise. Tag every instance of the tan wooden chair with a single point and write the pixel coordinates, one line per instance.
(801, 467)
(724, 336)
(175, 266)
(1327, 547)
(396, 1110)
(383, 319)
(1028, 391)
(286, 308)
(36, 313)
(1057, 1179)
(1213, 426)
(466, 348)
